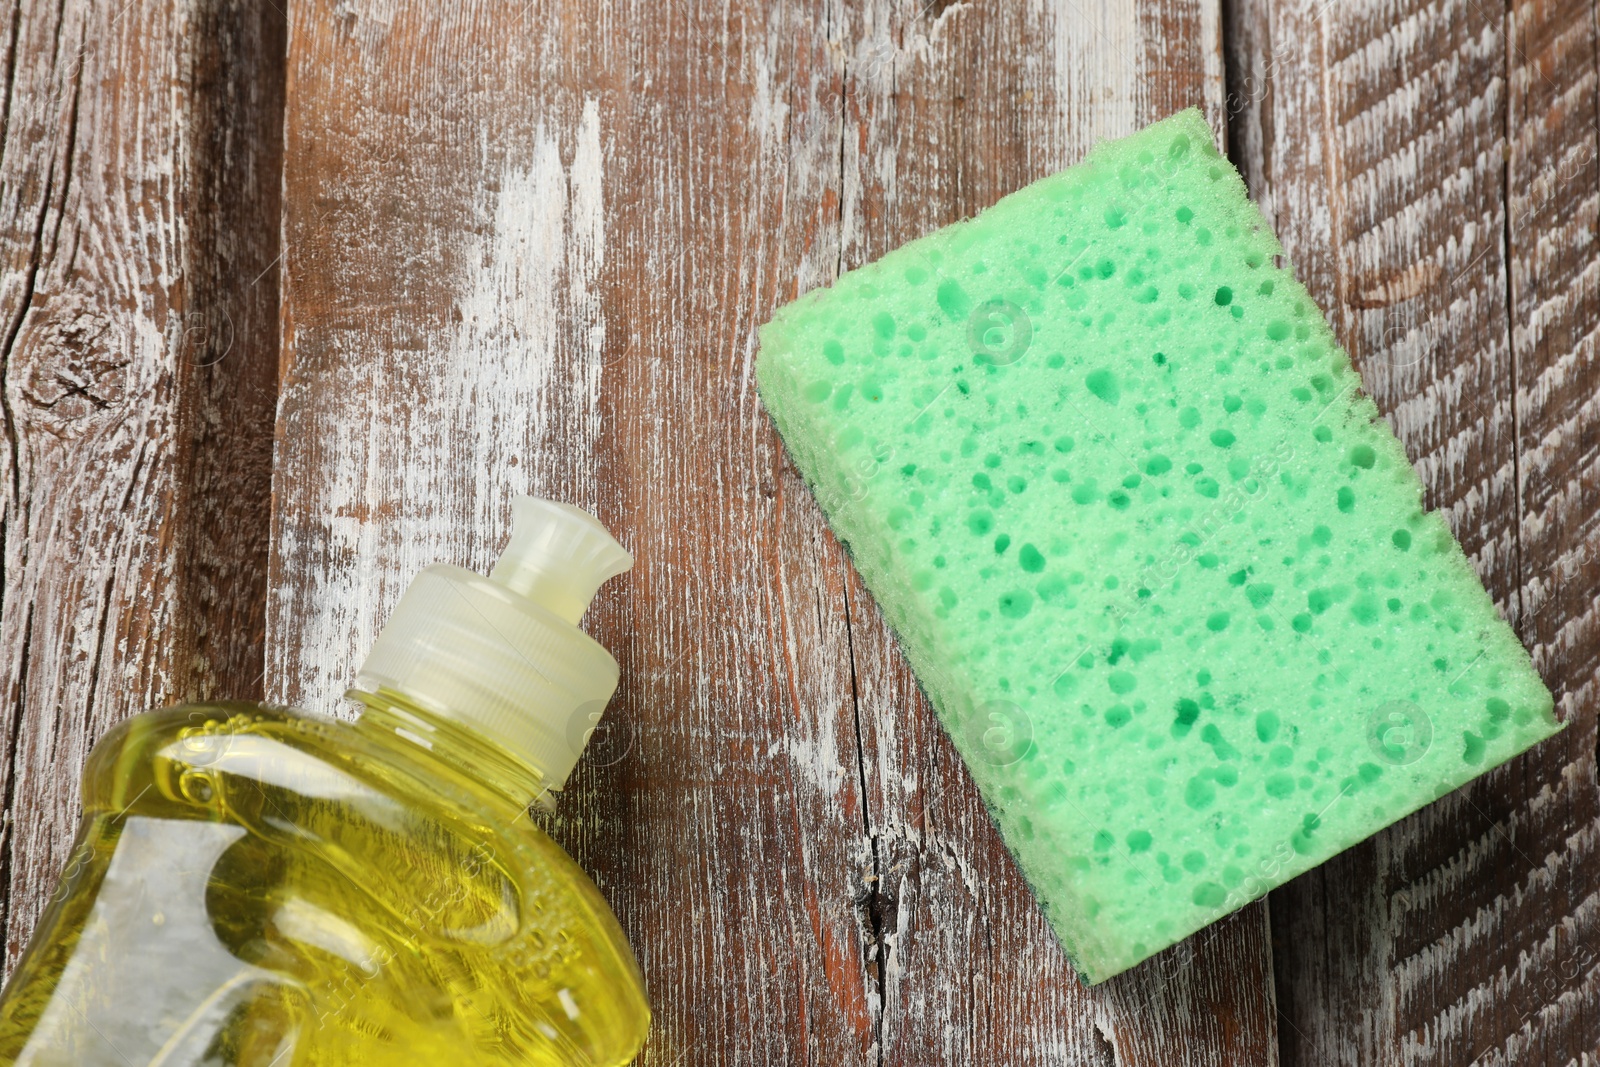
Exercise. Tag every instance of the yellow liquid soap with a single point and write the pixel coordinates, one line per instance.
(262, 886)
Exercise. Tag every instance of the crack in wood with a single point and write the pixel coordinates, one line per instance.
(8, 949)
(868, 901)
(17, 502)
(125, 460)
(1518, 586)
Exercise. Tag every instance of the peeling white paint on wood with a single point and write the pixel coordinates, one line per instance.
(529, 252)
(1097, 48)
(479, 393)
(786, 811)
(127, 581)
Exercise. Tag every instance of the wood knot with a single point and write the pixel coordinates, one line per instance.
(73, 365)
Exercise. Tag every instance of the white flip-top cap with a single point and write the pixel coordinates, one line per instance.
(503, 655)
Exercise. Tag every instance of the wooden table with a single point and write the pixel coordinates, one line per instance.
(278, 333)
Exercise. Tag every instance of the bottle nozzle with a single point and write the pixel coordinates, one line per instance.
(504, 654)
(558, 556)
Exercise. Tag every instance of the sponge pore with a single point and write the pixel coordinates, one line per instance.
(1163, 573)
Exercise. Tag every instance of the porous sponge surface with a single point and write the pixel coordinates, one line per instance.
(1165, 576)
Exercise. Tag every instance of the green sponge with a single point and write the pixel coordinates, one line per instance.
(1164, 574)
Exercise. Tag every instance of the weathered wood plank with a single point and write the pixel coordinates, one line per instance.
(530, 257)
(529, 253)
(138, 226)
(1457, 266)
(1552, 983)
(936, 130)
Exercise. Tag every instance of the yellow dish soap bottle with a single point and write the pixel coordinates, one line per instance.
(262, 886)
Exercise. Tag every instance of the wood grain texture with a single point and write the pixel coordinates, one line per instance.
(527, 250)
(952, 922)
(139, 170)
(1431, 169)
